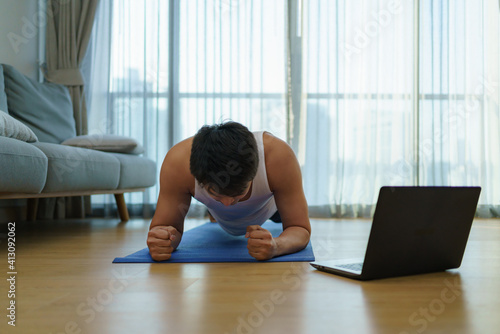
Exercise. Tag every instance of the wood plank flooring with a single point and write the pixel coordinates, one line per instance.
(66, 283)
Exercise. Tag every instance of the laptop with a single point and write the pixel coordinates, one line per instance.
(415, 230)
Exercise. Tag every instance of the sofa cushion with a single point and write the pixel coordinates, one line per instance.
(73, 168)
(12, 128)
(23, 167)
(135, 171)
(106, 143)
(3, 97)
(45, 107)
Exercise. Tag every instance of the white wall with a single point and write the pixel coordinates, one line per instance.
(20, 23)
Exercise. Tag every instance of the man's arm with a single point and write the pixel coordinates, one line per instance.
(285, 181)
(167, 225)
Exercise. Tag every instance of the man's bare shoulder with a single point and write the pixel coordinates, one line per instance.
(180, 152)
(281, 163)
(275, 149)
(175, 168)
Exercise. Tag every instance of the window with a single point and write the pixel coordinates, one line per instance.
(367, 93)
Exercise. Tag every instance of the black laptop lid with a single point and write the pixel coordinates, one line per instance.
(419, 229)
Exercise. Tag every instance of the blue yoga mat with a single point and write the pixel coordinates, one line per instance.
(210, 243)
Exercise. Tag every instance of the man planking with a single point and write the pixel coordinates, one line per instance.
(243, 178)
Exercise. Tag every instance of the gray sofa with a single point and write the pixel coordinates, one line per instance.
(41, 156)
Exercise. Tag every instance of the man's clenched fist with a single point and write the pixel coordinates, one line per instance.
(261, 244)
(162, 241)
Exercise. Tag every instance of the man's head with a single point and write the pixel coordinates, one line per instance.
(224, 158)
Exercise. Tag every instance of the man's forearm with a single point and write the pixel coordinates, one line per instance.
(292, 240)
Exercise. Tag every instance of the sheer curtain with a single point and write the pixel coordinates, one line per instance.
(459, 109)
(231, 65)
(364, 65)
(165, 68)
(357, 109)
(368, 93)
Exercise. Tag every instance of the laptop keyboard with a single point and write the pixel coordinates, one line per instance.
(352, 266)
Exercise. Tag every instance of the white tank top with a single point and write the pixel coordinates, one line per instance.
(259, 207)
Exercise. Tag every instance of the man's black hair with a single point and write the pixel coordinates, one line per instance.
(224, 157)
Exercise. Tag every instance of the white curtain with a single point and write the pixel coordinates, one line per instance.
(459, 109)
(165, 68)
(357, 116)
(364, 65)
(368, 93)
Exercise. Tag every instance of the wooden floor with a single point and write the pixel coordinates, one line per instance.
(66, 283)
